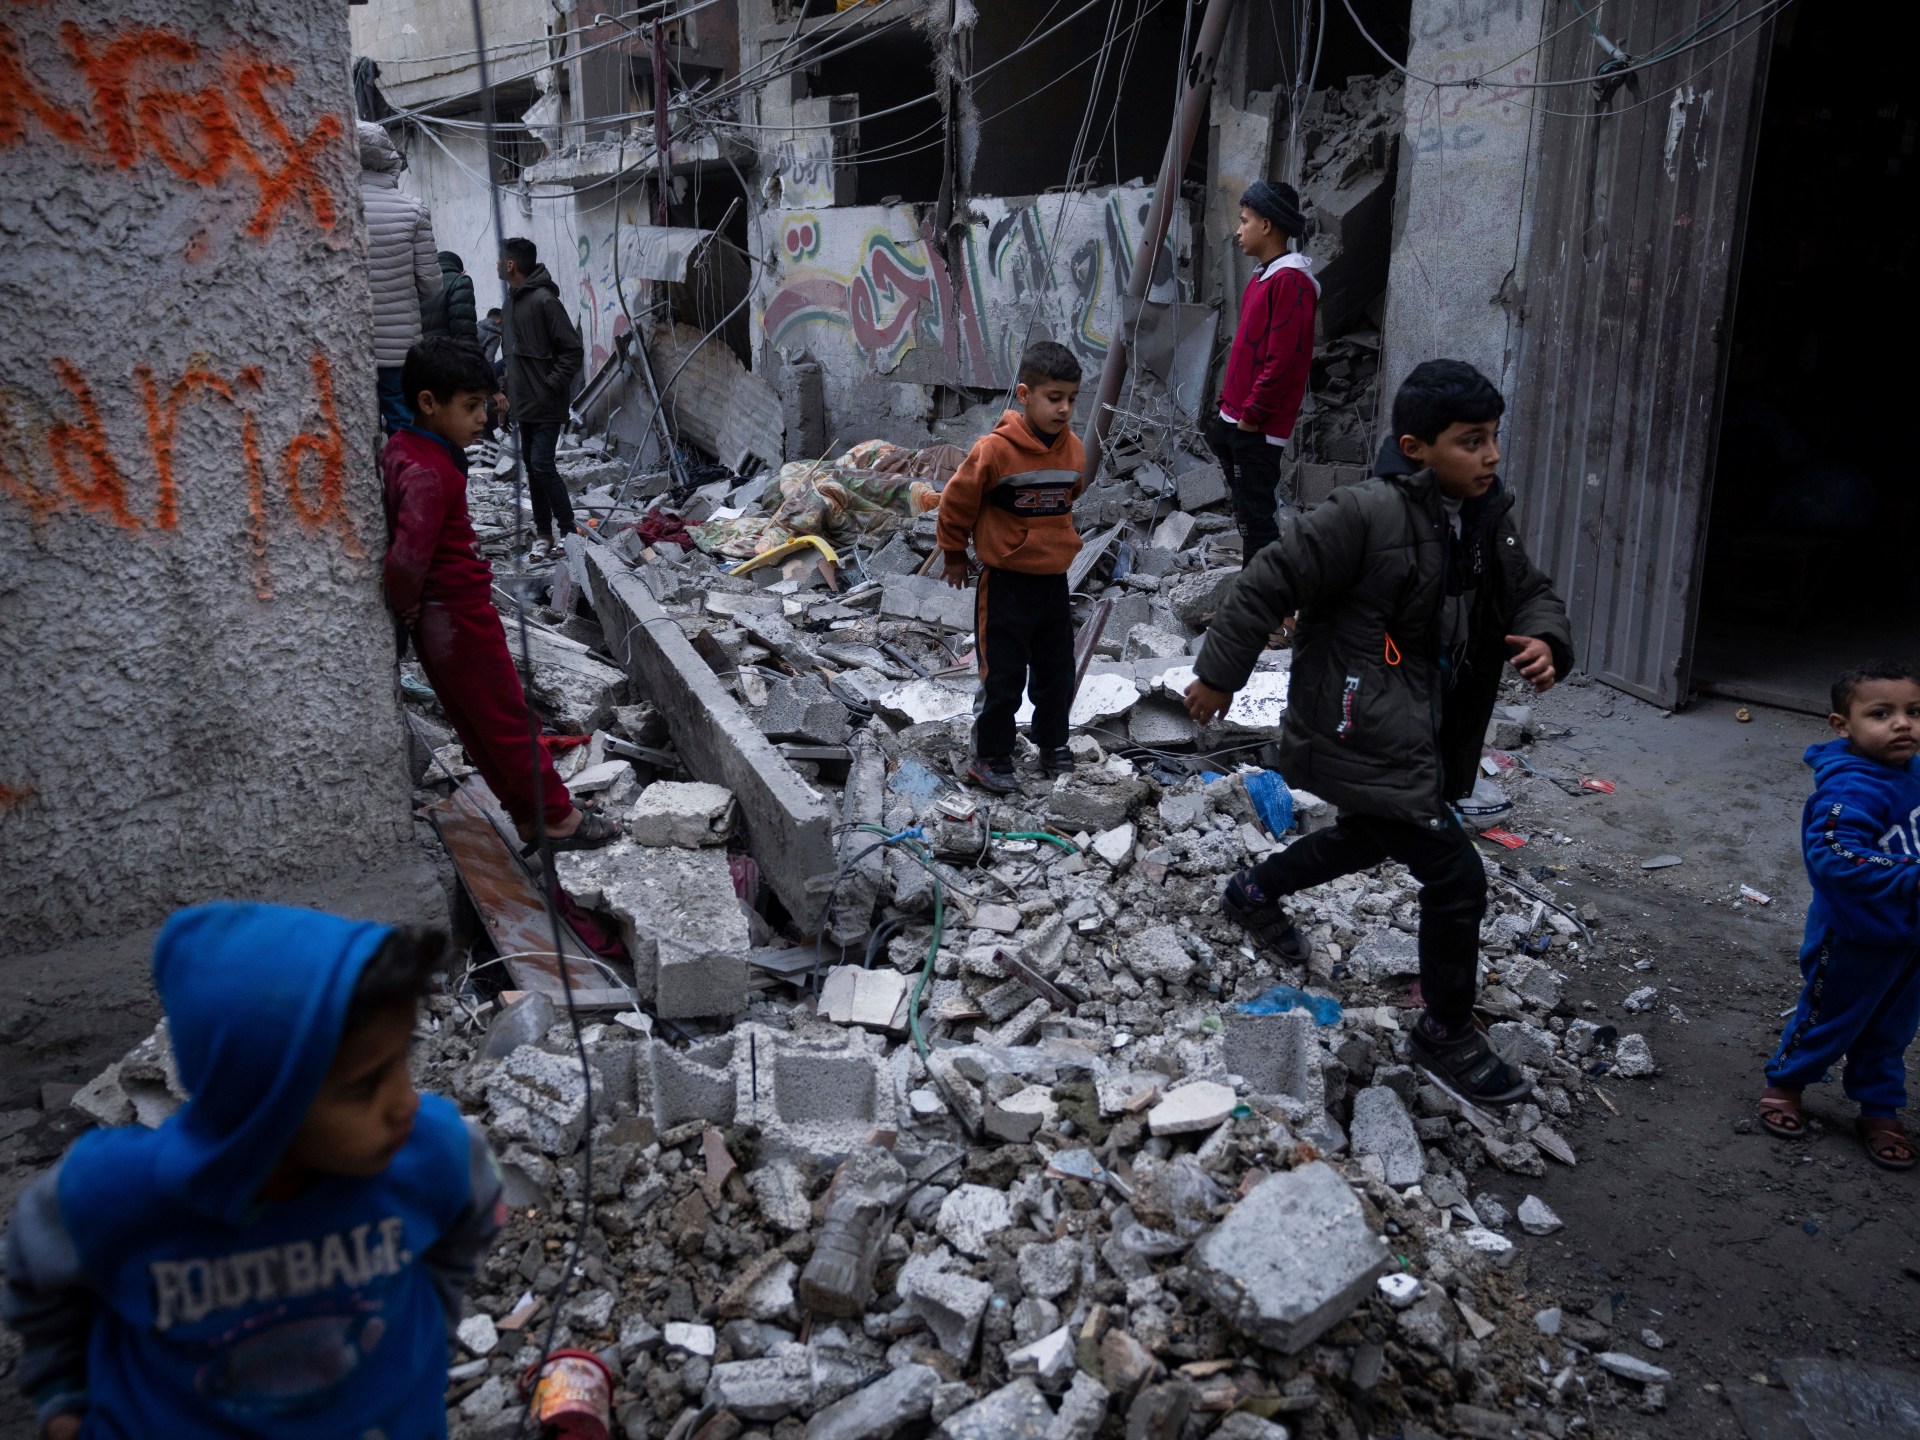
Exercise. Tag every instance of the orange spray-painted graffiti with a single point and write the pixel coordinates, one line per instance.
(196, 132)
(87, 477)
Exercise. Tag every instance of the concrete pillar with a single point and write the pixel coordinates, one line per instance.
(198, 665)
(1458, 225)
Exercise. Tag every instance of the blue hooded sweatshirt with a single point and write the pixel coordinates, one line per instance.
(154, 1289)
(1861, 836)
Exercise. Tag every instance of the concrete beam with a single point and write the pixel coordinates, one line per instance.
(788, 824)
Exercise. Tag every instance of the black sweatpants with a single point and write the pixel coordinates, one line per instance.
(1024, 635)
(1453, 893)
(1252, 468)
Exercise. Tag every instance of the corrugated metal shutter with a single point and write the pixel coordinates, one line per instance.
(1637, 219)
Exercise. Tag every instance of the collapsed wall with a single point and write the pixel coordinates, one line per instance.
(199, 666)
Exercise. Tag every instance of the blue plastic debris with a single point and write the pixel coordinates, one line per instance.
(1272, 801)
(914, 780)
(1279, 999)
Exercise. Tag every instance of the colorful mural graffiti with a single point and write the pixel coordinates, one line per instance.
(874, 275)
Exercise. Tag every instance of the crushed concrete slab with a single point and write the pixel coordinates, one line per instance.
(541, 1098)
(928, 599)
(789, 822)
(1382, 1127)
(1014, 1412)
(1291, 1259)
(970, 1214)
(901, 1397)
(689, 813)
(680, 918)
(951, 1305)
(1202, 1105)
(1156, 952)
(924, 702)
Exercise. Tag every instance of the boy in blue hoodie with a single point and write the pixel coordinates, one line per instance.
(286, 1254)
(1861, 956)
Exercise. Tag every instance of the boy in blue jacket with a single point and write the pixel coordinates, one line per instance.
(1861, 956)
(286, 1254)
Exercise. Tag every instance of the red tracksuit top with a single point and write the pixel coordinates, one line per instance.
(1272, 351)
(431, 550)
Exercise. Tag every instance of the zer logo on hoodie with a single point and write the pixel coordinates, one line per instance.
(1903, 839)
(188, 1291)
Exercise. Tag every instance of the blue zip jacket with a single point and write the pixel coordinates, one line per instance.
(156, 1294)
(1861, 836)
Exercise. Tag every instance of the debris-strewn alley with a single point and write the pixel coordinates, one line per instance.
(824, 1074)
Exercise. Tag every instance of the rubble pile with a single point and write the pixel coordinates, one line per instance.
(923, 1114)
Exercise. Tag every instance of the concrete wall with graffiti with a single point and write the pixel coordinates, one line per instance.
(865, 291)
(198, 663)
(1463, 172)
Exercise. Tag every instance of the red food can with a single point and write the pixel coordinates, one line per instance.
(572, 1395)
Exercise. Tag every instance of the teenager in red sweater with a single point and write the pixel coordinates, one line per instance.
(1267, 368)
(438, 583)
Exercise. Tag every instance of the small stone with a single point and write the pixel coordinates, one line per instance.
(1001, 919)
(489, 1400)
(1400, 1288)
(1013, 1412)
(1652, 1340)
(1048, 1271)
(1536, 1217)
(1049, 1359)
(1157, 953)
(1633, 1058)
(478, 1335)
(1481, 1241)
(900, 1398)
(1547, 1321)
(1641, 1000)
(1125, 1364)
(1382, 1127)
(1114, 846)
(1631, 1367)
(780, 1190)
(694, 1339)
(1202, 1105)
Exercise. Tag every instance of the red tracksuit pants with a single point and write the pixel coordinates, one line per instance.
(463, 649)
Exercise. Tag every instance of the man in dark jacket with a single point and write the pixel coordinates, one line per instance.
(451, 312)
(543, 355)
(1411, 590)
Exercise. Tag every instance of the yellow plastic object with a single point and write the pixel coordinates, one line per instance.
(781, 552)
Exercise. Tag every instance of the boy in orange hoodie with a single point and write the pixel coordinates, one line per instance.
(1014, 499)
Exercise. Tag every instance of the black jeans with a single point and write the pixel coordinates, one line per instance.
(1024, 633)
(1252, 468)
(1453, 893)
(551, 502)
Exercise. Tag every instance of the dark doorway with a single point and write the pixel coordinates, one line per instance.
(1813, 542)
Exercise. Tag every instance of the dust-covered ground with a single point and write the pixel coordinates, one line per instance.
(1682, 1217)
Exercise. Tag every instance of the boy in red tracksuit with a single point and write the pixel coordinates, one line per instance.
(1267, 368)
(438, 583)
(1013, 497)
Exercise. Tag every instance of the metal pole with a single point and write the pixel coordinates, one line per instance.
(1166, 190)
(661, 144)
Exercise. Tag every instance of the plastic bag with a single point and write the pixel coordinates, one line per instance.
(1278, 999)
(1272, 801)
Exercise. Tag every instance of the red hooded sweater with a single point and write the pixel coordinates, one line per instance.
(1273, 348)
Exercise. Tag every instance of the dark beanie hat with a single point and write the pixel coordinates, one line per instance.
(1278, 203)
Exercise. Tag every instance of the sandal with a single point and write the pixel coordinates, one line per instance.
(593, 831)
(1267, 922)
(1888, 1144)
(1780, 1113)
(1469, 1065)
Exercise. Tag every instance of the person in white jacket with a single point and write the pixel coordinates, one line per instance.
(403, 264)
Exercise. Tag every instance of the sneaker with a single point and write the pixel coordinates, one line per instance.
(1057, 761)
(1263, 919)
(994, 776)
(1465, 1062)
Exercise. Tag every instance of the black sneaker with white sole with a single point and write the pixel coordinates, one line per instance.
(994, 776)
(1264, 919)
(1467, 1063)
(1057, 761)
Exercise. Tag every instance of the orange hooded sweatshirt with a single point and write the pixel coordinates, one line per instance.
(1014, 496)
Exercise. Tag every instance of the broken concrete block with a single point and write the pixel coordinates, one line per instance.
(898, 1399)
(1522, 1044)
(1147, 641)
(1385, 954)
(1382, 1127)
(820, 1092)
(1275, 1054)
(1536, 1217)
(1291, 1259)
(873, 999)
(802, 709)
(763, 1291)
(1173, 532)
(1202, 486)
(1082, 1409)
(1100, 698)
(1200, 1105)
(1633, 1058)
(1049, 1270)
(671, 812)
(1310, 812)
(143, 1085)
(1021, 1115)
(692, 1084)
(1014, 1412)
(1048, 1359)
(1157, 953)
(928, 599)
(1194, 598)
(547, 1096)
(780, 1190)
(1534, 981)
(1114, 846)
(970, 1214)
(766, 1389)
(789, 822)
(951, 1305)
(1160, 724)
(578, 691)
(924, 702)
(680, 919)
